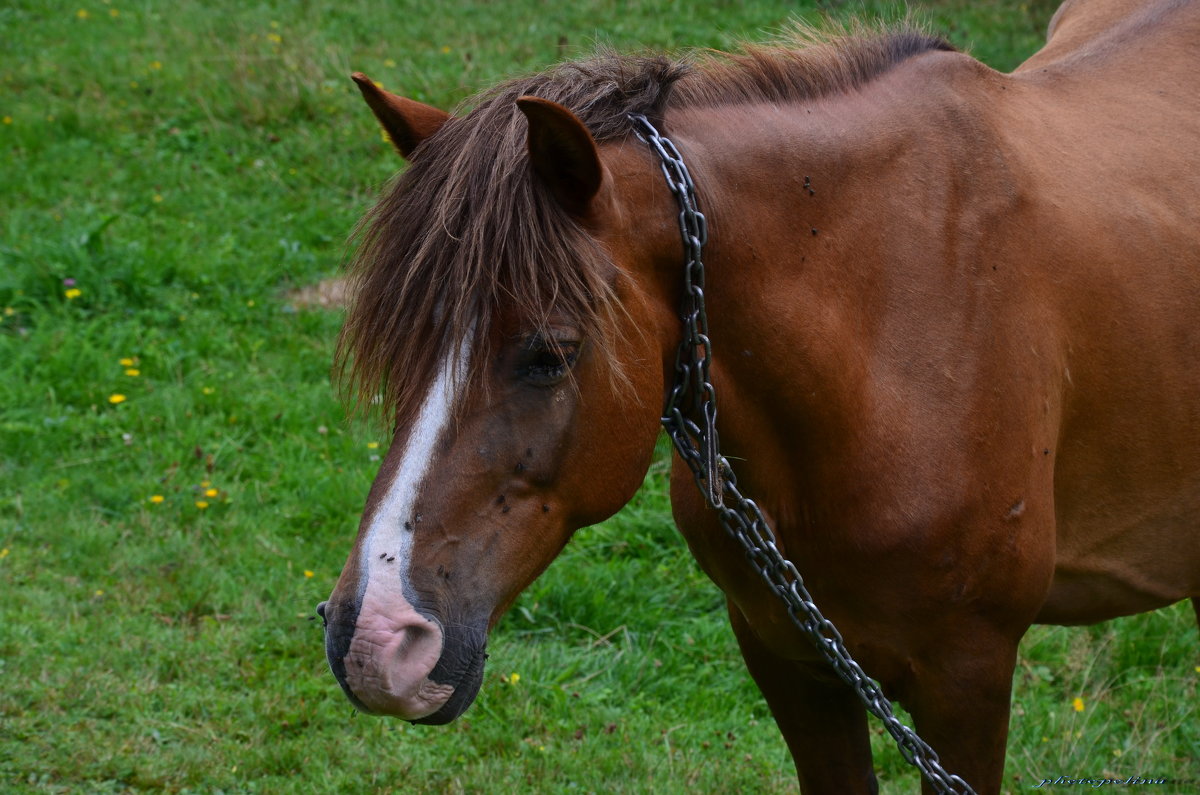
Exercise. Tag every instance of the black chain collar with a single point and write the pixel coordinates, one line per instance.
(693, 396)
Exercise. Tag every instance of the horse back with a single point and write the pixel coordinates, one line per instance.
(1114, 29)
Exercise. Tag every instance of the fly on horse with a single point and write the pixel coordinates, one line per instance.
(955, 324)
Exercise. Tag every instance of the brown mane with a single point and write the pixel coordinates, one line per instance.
(466, 230)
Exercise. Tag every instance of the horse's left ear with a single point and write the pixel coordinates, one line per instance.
(563, 153)
(406, 122)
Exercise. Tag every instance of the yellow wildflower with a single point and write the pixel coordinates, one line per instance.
(1077, 703)
(446, 50)
(201, 504)
(156, 65)
(82, 13)
(3, 553)
(116, 398)
(372, 445)
(308, 573)
(513, 678)
(133, 373)
(275, 38)
(72, 293)
(126, 362)
(208, 390)
(114, 13)
(156, 498)
(158, 198)
(8, 119)
(211, 492)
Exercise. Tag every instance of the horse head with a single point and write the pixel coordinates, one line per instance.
(499, 313)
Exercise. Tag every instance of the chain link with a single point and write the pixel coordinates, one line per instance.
(693, 396)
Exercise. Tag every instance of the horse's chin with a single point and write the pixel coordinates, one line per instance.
(466, 685)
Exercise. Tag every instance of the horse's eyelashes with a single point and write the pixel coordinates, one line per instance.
(546, 362)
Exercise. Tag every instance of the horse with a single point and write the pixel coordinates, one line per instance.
(952, 317)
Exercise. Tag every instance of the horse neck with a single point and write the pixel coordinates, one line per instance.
(824, 217)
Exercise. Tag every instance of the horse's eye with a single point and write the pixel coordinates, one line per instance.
(546, 362)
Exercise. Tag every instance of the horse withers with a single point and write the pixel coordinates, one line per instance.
(955, 321)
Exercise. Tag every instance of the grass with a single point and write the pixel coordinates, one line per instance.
(184, 166)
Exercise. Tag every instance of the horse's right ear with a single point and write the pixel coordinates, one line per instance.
(563, 153)
(406, 122)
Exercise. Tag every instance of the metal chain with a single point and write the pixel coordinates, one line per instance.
(693, 396)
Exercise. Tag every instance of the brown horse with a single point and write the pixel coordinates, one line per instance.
(955, 323)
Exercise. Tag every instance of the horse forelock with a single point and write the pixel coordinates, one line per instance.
(467, 234)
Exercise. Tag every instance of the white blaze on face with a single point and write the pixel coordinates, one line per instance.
(394, 647)
(387, 535)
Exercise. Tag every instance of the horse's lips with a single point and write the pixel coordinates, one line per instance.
(466, 688)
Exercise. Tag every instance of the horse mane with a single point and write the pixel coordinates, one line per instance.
(467, 232)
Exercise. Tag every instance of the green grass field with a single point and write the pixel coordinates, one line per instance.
(179, 487)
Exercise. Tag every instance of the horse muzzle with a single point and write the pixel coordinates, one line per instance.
(402, 662)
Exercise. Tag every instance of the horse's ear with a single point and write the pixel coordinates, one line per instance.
(406, 122)
(563, 153)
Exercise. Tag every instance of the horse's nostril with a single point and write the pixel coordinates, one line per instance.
(321, 610)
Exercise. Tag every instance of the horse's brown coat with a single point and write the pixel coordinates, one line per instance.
(955, 317)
